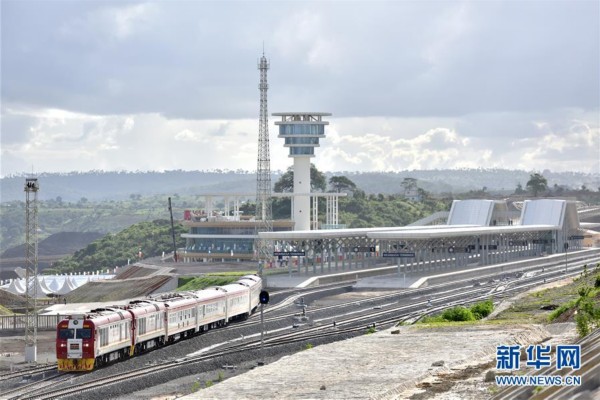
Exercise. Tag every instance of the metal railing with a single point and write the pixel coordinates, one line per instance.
(18, 321)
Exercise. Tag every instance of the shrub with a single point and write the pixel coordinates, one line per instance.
(584, 291)
(483, 309)
(458, 313)
(583, 324)
(597, 282)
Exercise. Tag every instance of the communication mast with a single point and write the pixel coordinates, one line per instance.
(31, 267)
(264, 208)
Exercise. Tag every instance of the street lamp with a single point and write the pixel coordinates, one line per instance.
(566, 247)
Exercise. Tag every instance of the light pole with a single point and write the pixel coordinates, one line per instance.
(566, 247)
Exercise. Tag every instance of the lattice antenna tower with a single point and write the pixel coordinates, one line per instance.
(31, 263)
(264, 209)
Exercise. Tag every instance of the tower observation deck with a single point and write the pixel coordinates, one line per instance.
(301, 131)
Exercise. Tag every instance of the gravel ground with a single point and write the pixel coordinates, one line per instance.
(379, 366)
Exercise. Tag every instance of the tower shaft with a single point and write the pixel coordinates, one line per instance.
(264, 209)
(31, 267)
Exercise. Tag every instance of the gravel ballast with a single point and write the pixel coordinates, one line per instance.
(380, 366)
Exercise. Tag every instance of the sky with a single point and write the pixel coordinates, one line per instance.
(411, 85)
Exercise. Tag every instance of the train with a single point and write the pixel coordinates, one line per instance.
(104, 335)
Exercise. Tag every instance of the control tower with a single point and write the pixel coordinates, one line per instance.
(301, 131)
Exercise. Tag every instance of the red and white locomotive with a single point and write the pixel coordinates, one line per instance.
(103, 335)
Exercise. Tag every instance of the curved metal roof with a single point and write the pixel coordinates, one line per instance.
(353, 232)
(455, 232)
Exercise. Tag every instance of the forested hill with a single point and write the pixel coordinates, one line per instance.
(98, 185)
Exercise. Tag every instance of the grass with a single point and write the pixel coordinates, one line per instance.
(460, 314)
(5, 311)
(441, 323)
(218, 279)
(527, 309)
(562, 309)
(203, 282)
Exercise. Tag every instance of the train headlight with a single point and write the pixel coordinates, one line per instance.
(63, 345)
(86, 345)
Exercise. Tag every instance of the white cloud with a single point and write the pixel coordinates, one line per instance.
(113, 22)
(127, 20)
(187, 135)
(410, 84)
(59, 140)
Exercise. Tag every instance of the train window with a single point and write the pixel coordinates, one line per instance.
(85, 333)
(103, 336)
(66, 333)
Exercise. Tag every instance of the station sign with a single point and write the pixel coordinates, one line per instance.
(400, 255)
(289, 253)
(577, 237)
(364, 249)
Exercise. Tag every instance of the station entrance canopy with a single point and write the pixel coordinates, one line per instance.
(480, 232)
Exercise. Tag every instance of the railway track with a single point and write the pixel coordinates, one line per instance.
(321, 328)
(29, 390)
(354, 322)
(41, 369)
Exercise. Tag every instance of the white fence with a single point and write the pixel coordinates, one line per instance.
(18, 321)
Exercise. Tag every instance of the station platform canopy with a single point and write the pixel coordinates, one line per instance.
(553, 222)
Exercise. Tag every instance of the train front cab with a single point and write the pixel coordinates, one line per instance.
(75, 345)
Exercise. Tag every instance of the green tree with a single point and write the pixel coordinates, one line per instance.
(114, 250)
(409, 184)
(318, 182)
(537, 183)
(558, 189)
(341, 184)
(519, 189)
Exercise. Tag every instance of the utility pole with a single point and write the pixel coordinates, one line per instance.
(264, 208)
(173, 232)
(31, 268)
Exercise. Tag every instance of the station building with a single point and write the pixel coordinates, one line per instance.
(476, 233)
(225, 234)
